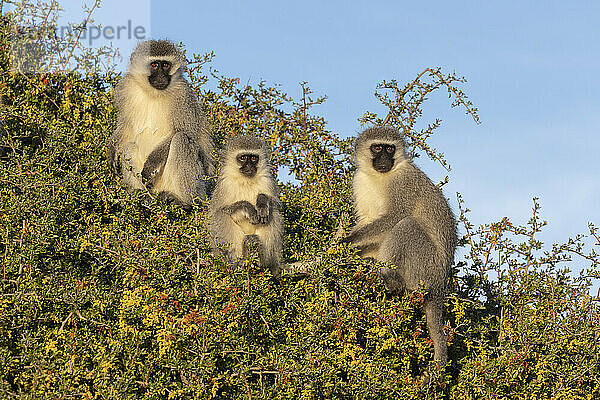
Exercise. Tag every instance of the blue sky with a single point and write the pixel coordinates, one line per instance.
(532, 69)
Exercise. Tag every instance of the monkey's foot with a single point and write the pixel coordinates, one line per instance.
(169, 197)
(299, 268)
(435, 375)
(145, 197)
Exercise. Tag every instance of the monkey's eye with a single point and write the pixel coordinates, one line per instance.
(390, 149)
(254, 159)
(376, 148)
(165, 65)
(242, 158)
(154, 65)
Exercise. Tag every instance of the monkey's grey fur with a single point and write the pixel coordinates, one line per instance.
(163, 140)
(246, 210)
(404, 220)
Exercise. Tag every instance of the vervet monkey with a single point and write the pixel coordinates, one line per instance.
(163, 141)
(245, 207)
(403, 220)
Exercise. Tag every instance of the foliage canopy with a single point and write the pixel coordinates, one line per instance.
(103, 296)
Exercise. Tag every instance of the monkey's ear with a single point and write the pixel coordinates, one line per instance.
(135, 53)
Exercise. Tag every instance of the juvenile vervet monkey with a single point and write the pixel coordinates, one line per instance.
(403, 219)
(163, 140)
(244, 206)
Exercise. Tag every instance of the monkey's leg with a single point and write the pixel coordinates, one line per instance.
(271, 257)
(434, 311)
(251, 241)
(271, 235)
(226, 236)
(412, 254)
(131, 166)
(155, 163)
(264, 208)
(410, 250)
(182, 174)
(392, 280)
(254, 241)
(267, 260)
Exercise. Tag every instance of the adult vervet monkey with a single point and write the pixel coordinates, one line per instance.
(163, 141)
(403, 220)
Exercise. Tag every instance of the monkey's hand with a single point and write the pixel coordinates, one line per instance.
(264, 209)
(351, 238)
(356, 235)
(149, 176)
(240, 210)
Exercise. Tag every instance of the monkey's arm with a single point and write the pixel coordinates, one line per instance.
(241, 210)
(264, 208)
(155, 162)
(113, 150)
(203, 159)
(370, 232)
(113, 158)
(207, 162)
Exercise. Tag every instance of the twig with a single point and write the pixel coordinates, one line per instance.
(83, 26)
(81, 317)
(303, 267)
(244, 377)
(65, 321)
(458, 96)
(268, 327)
(37, 87)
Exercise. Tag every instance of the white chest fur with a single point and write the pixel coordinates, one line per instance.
(370, 201)
(149, 121)
(238, 188)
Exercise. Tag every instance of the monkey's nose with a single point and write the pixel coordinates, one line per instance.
(248, 170)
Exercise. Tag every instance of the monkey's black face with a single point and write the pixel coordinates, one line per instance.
(383, 156)
(160, 77)
(248, 164)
